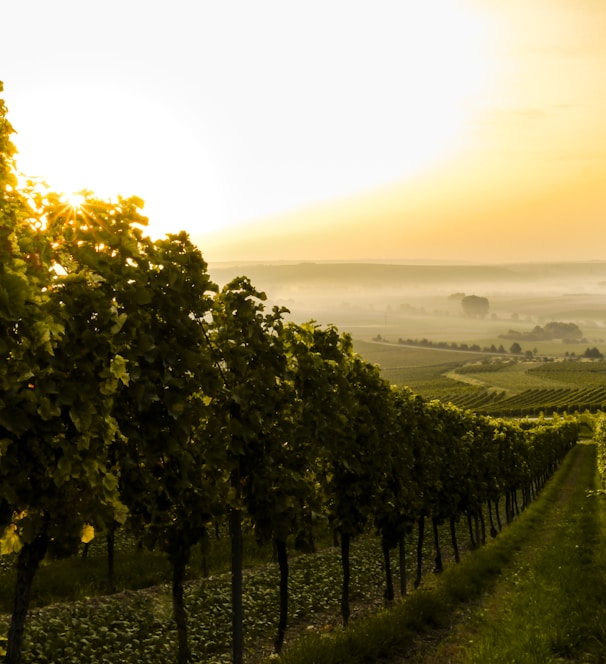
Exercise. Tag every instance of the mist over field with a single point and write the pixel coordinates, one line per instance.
(408, 300)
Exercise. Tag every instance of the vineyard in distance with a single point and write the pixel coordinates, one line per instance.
(408, 319)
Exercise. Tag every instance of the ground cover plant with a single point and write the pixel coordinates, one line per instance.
(80, 577)
(138, 626)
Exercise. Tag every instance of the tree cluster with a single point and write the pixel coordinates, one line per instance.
(553, 330)
(427, 343)
(475, 306)
(136, 393)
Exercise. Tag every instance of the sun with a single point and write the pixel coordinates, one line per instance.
(74, 205)
(75, 200)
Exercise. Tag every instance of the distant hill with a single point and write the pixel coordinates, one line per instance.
(268, 276)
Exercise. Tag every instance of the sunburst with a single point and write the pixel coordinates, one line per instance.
(75, 200)
(74, 205)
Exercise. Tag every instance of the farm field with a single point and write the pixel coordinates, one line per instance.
(395, 303)
(500, 386)
(422, 369)
(416, 301)
(512, 378)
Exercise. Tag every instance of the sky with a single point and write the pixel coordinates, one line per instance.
(452, 130)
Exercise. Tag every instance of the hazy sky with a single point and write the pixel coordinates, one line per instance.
(333, 129)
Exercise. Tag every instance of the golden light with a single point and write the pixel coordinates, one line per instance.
(344, 119)
(74, 200)
(73, 205)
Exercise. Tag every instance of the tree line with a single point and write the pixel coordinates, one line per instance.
(137, 394)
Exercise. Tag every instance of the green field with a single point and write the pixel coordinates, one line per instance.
(500, 386)
(422, 369)
(420, 305)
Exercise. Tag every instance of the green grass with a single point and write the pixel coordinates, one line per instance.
(554, 608)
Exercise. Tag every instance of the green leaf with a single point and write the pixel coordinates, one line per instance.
(64, 467)
(13, 293)
(110, 482)
(10, 541)
(81, 416)
(118, 369)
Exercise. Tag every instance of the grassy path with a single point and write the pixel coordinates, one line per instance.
(549, 604)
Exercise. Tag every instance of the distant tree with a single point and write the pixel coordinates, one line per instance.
(593, 354)
(515, 348)
(475, 306)
(558, 330)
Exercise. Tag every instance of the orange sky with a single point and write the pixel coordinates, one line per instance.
(449, 129)
(473, 208)
(529, 183)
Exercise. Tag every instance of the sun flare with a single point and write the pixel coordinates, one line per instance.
(74, 200)
(342, 120)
